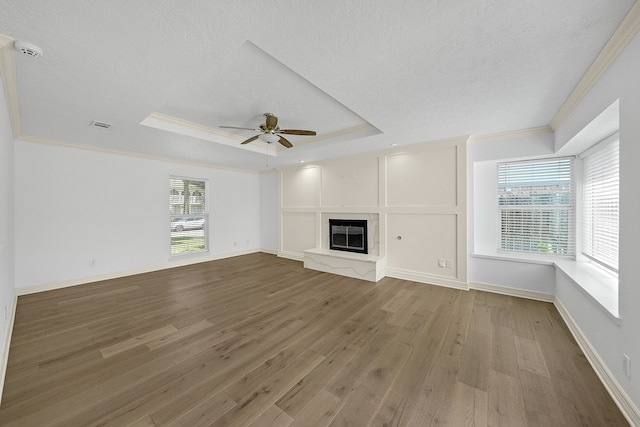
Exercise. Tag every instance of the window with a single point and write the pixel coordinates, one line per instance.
(188, 215)
(535, 203)
(600, 202)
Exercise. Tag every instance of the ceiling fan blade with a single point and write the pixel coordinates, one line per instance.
(285, 142)
(271, 121)
(298, 132)
(253, 138)
(234, 127)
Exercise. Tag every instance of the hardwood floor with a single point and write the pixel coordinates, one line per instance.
(257, 340)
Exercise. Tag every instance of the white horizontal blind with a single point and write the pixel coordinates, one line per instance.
(601, 200)
(536, 206)
(188, 215)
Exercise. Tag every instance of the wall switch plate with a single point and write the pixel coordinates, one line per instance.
(626, 365)
(449, 263)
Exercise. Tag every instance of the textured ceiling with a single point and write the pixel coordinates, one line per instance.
(364, 74)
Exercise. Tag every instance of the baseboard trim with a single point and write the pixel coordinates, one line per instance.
(189, 260)
(291, 255)
(514, 292)
(4, 357)
(426, 278)
(617, 393)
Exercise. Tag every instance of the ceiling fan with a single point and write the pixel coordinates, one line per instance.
(270, 132)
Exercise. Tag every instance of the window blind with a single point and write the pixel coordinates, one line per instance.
(536, 206)
(600, 198)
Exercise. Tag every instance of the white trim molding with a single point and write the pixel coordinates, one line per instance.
(10, 81)
(294, 256)
(172, 263)
(50, 141)
(429, 279)
(514, 292)
(518, 133)
(4, 357)
(617, 393)
(623, 35)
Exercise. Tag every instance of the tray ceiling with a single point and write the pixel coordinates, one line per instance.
(363, 74)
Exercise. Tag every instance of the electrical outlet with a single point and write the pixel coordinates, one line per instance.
(626, 365)
(92, 262)
(442, 262)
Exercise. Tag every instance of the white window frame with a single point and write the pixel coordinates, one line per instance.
(570, 209)
(176, 219)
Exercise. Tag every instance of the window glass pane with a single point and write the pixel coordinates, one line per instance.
(535, 202)
(188, 215)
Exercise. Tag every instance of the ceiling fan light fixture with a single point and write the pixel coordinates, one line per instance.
(271, 132)
(269, 138)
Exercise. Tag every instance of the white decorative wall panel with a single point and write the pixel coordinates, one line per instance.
(298, 232)
(301, 187)
(418, 193)
(350, 182)
(424, 239)
(423, 178)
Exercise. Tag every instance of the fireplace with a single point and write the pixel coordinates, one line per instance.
(348, 235)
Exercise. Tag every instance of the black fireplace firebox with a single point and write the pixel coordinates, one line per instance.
(348, 235)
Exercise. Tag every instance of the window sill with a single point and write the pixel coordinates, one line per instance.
(596, 283)
(517, 257)
(188, 254)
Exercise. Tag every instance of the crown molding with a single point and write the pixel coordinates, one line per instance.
(49, 141)
(5, 40)
(195, 126)
(364, 128)
(10, 81)
(623, 35)
(519, 133)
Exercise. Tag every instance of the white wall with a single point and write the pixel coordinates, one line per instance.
(73, 205)
(269, 212)
(7, 293)
(608, 338)
(415, 198)
(482, 159)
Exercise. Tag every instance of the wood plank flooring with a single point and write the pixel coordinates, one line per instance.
(257, 340)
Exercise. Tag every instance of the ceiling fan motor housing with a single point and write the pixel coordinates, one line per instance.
(271, 132)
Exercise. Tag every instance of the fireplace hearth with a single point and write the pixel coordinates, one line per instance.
(348, 235)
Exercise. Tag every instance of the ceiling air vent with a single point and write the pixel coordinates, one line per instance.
(100, 125)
